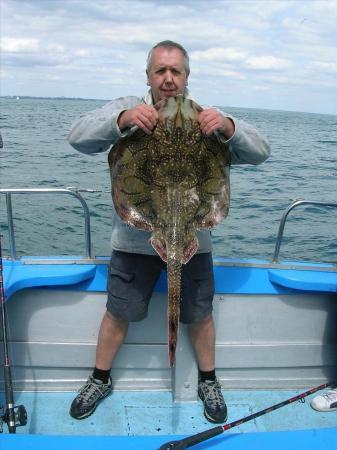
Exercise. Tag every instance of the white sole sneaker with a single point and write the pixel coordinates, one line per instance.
(325, 402)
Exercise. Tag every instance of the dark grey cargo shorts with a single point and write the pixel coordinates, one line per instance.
(132, 277)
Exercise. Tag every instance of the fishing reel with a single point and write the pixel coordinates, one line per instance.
(20, 418)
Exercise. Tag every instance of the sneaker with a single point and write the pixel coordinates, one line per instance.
(89, 396)
(215, 408)
(325, 402)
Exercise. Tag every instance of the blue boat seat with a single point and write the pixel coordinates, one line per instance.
(304, 280)
(17, 275)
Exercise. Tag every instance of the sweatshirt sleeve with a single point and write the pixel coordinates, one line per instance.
(95, 131)
(248, 145)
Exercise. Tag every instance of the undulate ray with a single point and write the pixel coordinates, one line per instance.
(171, 183)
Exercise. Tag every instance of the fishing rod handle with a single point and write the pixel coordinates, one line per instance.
(203, 436)
(10, 413)
(192, 440)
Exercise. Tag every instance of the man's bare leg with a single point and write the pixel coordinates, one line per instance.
(202, 336)
(110, 338)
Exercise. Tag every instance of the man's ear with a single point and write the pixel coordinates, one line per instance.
(147, 76)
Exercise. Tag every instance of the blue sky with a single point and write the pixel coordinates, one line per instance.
(274, 54)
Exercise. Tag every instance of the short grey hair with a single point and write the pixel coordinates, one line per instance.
(169, 45)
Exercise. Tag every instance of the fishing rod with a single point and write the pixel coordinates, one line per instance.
(13, 416)
(208, 434)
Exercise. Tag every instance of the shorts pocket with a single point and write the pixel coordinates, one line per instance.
(120, 285)
(124, 276)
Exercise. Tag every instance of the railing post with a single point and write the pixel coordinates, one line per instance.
(74, 192)
(10, 223)
(87, 228)
(284, 218)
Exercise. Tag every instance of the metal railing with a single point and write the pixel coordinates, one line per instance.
(87, 230)
(68, 191)
(284, 217)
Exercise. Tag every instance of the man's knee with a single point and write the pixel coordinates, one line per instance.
(206, 321)
(112, 320)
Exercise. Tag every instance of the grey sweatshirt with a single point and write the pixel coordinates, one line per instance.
(97, 131)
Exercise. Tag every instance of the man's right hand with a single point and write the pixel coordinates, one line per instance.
(143, 116)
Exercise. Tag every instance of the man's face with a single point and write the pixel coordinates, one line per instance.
(167, 76)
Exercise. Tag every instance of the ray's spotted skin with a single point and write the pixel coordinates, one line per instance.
(171, 182)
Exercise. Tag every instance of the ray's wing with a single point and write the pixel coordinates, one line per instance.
(214, 188)
(131, 186)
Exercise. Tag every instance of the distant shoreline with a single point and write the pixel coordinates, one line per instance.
(23, 97)
(29, 97)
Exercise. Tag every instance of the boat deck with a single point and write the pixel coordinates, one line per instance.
(276, 330)
(146, 420)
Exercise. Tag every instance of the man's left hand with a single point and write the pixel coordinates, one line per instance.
(212, 120)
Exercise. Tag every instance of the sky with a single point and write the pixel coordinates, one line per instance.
(270, 54)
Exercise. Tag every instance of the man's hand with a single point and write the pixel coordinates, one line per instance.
(143, 116)
(212, 120)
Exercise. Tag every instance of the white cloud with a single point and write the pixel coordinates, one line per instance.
(267, 63)
(278, 79)
(19, 44)
(219, 54)
(325, 66)
(216, 72)
(83, 53)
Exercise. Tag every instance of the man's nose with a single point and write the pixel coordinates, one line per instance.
(168, 77)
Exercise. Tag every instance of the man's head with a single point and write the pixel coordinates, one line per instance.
(167, 70)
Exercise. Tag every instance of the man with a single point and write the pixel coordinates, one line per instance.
(134, 266)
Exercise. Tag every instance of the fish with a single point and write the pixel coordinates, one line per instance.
(171, 183)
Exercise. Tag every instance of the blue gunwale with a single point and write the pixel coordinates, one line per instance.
(242, 276)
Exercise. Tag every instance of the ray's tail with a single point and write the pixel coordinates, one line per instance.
(174, 290)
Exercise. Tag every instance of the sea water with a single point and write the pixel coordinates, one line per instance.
(303, 165)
